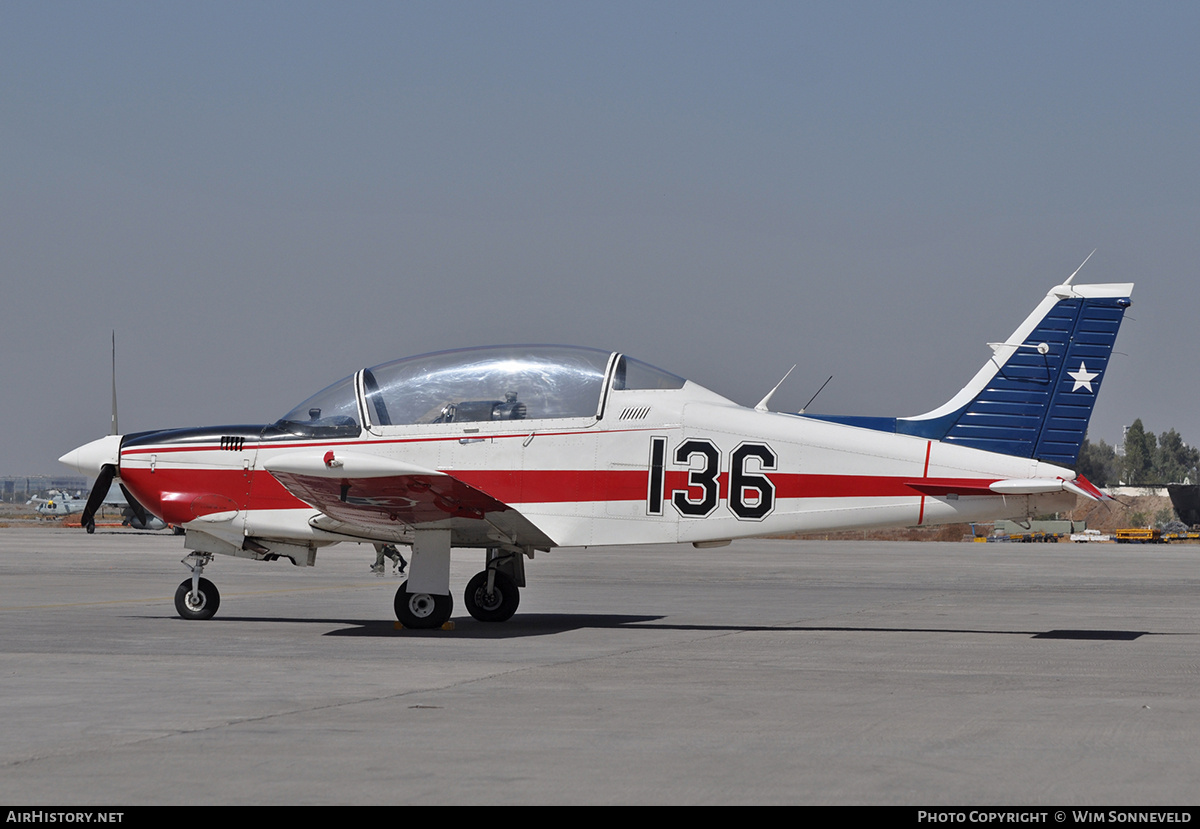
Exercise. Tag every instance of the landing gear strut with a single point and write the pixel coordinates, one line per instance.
(197, 598)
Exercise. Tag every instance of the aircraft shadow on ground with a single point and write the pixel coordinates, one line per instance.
(545, 624)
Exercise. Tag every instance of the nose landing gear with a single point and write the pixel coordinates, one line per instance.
(197, 598)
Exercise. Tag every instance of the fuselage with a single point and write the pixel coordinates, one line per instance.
(660, 465)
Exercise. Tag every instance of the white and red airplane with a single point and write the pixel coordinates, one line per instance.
(517, 449)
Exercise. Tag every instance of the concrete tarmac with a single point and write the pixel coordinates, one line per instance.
(764, 672)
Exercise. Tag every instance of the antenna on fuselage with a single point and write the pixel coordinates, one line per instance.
(814, 397)
(762, 404)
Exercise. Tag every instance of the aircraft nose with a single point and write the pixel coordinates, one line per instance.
(89, 458)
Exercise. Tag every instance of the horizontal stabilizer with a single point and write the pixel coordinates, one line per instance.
(1036, 486)
(1027, 486)
(1011, 486)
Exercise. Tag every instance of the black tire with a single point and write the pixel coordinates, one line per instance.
(203, 606)
(497, 606)
(421, 611)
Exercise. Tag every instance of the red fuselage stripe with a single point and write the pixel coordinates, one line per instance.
(179, 495)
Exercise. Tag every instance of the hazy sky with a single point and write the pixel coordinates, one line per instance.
(262, 197)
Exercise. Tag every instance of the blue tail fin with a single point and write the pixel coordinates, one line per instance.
(1034, 397)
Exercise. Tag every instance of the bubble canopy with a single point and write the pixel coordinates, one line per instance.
(528, 382)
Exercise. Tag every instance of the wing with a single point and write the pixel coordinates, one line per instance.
(369, 495)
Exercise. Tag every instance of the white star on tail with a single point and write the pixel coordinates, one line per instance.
(1083, 378)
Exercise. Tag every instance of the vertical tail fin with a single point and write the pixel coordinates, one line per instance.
(1035, 396)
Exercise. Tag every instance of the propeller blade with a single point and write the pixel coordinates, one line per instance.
(115, 430)
(96, 497)
(139, 512)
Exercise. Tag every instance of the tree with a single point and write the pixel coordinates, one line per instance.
(1148, 460)
(1098, 462)
(1141, 446)
(1174, 460)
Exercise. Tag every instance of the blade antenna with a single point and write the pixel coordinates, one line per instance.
(1081, 264)
(814, 397)
(762, 404)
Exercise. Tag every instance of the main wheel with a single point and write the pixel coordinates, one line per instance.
(497, 606)
(422, 610)
(200, 605)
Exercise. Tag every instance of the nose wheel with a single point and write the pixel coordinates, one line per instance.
(200, 602)
(196, 597)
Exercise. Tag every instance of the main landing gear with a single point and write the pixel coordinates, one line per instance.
(197, 598)
(421, 611)
(491, 596)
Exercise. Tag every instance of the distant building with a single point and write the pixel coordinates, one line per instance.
(20, 488)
